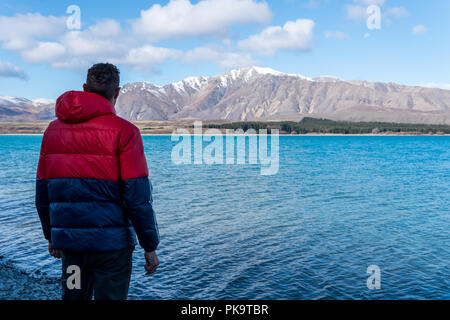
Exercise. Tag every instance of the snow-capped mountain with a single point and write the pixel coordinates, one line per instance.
(21, 109)
(257, 93)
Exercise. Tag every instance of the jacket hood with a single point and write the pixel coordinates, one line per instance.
(79, 106)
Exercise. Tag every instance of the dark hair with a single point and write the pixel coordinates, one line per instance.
(103, 79)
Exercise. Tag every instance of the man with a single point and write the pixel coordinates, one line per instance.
(93, 193)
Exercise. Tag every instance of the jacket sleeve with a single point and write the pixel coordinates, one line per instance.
(41, 196)
(137, 190)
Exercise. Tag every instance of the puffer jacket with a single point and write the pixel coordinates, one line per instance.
(92, 189)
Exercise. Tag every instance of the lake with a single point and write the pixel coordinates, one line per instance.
(337, 205)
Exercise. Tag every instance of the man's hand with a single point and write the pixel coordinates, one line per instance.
(55, 253)
(151, 262)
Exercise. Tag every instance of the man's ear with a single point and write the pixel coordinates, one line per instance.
(116, 94)
(85, 87)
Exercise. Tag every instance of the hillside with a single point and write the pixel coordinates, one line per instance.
(262, 94)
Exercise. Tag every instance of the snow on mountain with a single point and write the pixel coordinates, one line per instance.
(327, 79)
(13, 100)
(22, 109)
(42, 101)
(258, 93)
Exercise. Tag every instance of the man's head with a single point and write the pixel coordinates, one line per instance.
(103, 79)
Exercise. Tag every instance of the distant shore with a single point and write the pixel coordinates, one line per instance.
(284, 135)
(335, 128)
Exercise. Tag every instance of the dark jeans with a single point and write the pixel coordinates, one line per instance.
(105, 275)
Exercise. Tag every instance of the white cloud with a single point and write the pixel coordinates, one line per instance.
(72, 49)
(419, 29)
(338, 35)
(293, 36)
(46, 39)
(44, 51)
(84, 44)
(9, 70)
(181, 18)
(217, 54)
(149, 55)
(105, 28)
(22, 30)
(103, 39)
(77, 63)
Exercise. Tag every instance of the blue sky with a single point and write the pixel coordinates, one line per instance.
(166, 41)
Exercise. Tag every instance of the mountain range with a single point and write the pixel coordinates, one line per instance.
(16, 109)
(257, 93)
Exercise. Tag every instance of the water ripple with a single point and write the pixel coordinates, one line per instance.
(338, 205)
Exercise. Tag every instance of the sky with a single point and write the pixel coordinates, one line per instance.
(47, 46)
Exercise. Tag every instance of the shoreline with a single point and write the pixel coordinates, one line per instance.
(306, 127)
(19, 285)
(281, 134)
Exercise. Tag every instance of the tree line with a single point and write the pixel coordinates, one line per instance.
(313, 125)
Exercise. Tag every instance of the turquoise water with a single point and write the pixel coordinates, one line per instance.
(337, 205)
